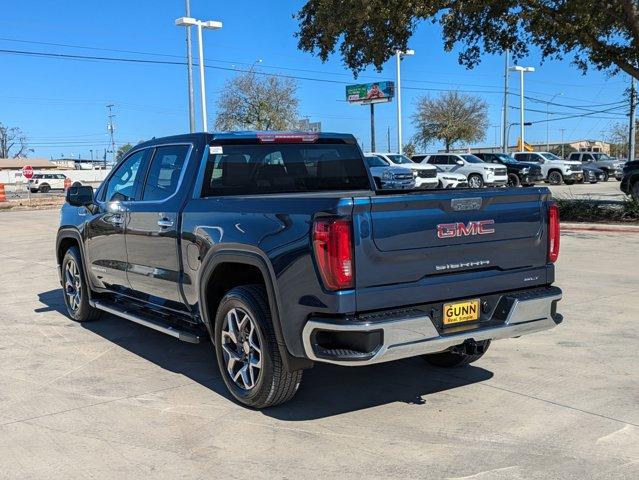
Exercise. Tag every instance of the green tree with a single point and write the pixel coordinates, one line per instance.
(451, 118)
(252, 102)
(410, 149)
(603, 34)
(121, 151)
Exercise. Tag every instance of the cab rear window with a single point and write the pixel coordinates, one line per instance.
(283, 168)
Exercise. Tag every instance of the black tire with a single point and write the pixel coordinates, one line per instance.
(33, 190)
(513, 180)
(79, 309)
(274, 384)
(477, 179)
(606, 176)
(555, 177)
(44, 188)
(449, 359)
(596, 181)
(570, 182)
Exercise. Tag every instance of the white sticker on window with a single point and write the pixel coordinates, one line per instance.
(215, 150)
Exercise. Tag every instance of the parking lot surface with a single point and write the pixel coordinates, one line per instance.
(602, 191)
(112, 399)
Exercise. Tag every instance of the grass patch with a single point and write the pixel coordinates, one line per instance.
(593, 211)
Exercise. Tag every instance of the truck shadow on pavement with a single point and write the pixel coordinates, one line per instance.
(326, 390)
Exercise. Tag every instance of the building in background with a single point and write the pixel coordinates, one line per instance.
(569, 146)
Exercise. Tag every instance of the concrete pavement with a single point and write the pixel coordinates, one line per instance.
(112, 399)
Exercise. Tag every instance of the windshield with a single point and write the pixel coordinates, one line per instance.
(506, 158)
(400, 159)
(376, 162)
(601, 156)
(471, 158)
(550, 156)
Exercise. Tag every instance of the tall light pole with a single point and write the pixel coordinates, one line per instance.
(504, 114)
(189, 70)
(521, 71)
(211, 25)
(562, 142)
(398, 55)
(547, 120)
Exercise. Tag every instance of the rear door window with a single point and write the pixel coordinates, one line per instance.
(165, 172)
(284, 168)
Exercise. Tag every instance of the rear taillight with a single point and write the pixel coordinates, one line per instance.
(553, 233)
(333, 247)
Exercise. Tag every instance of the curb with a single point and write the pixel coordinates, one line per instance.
(598, 227)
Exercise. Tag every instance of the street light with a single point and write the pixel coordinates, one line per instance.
(547, 120)
(399, 54)
(521, 71)
(211, 25)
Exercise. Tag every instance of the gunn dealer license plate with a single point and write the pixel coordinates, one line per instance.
(460, 312)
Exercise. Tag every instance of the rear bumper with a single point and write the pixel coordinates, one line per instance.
(412, 332)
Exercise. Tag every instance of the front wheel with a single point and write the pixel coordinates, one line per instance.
(513, 180)
(247, 352)
(76, 291)
(475, 181)
(606, 176)
(451, 359)
(45, 188)
(555, 178)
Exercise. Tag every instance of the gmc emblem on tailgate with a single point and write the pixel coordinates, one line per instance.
(459, 229)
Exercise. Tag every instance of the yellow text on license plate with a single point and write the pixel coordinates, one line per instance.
(459, 312)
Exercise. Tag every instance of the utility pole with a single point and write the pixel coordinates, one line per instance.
(504, 113)
(633, 108)
(398, 56)
(562, 142)
(373, 127)
(189, 67)
(388, 139)
(111, 129)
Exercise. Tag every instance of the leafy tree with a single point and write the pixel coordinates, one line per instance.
(618, 137)
(251, 102)
(121, 151)
(13, 142)
(604, 34)
(452, 118)
(567, 150)
(410, 149)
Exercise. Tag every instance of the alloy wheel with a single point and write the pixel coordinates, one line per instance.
(242, 349)
(474, 181)
(72, 285)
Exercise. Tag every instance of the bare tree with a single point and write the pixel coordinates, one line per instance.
(249, 102)
(618, 137)
(451, 118)
(13, 142)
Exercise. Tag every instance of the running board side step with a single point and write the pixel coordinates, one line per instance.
(160, 326)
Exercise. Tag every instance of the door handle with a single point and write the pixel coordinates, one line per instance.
(165, 223)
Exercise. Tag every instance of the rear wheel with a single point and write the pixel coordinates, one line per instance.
(247, 352)
(475, 181)
(555, 178)
(606, 176)
(45, 188)
(455, 358)
(513, 180)
(76, 292)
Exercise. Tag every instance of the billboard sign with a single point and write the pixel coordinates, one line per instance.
(366, 93)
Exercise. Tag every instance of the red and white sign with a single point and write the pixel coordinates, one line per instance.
(27, 171)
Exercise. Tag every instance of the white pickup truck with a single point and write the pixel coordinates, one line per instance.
(554, 169)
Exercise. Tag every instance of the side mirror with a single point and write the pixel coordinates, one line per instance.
(80, 196)
(459, 162)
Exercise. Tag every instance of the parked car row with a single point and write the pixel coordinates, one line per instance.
(456, 170)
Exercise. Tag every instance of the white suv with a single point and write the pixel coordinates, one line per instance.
(554, 169)
(426, 174)
(478, 172)
(43, 182)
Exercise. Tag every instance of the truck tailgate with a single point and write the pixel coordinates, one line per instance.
(449, 244)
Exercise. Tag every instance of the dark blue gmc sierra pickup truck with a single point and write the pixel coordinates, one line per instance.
(278, 248)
